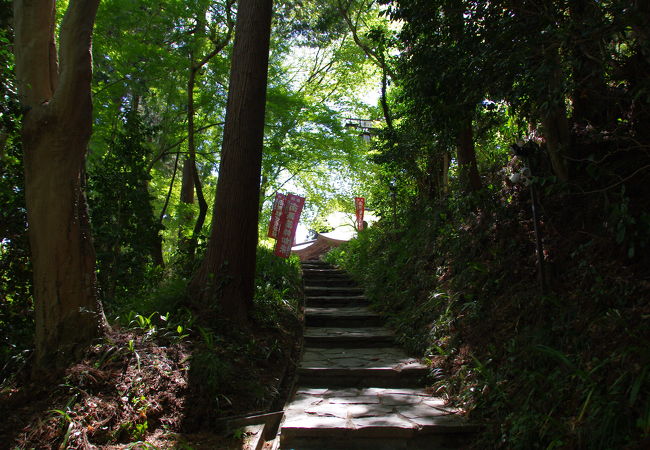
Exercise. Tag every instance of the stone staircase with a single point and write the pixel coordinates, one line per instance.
(355, 388)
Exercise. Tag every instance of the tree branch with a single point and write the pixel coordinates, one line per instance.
(72, 96)
(165, 151)
(378, 58)
(34, 45)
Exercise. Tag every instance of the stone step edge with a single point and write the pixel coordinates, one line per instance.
(335, 297)
(371, 433)
(326, 372)
(344, 310)
(340, 316)
(444, 427)
(333, 288)
(368, 331)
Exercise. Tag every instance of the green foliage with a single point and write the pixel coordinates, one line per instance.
(457, 282)
(124, 229)
(16, 304)
(277, 287)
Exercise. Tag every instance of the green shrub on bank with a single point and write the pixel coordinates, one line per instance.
(459, 284)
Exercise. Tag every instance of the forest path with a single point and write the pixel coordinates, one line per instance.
(356, 388)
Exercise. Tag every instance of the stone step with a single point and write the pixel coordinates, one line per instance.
(315, 273)
(359, 391)
(348, 337)
(334, 301)
(347, 316)
(360, 367)
(377, 418)
(330, 282)
(319, 268)
(341, 291)
(316, 265)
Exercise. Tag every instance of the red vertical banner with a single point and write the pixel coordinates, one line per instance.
(288, 223)
(274, 224)
(359, 205)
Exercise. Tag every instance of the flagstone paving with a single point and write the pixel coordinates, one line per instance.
(372, 358)
(356, 388)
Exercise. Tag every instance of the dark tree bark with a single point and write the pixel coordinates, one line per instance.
(384, 99)
(163, 211)
(55, 132)
(556, 132)
(187, 183)
(227, 273)
(470, 178)
(194, 182)
(589, 96)
(554, 119)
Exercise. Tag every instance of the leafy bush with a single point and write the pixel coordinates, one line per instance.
(459, 285)
(16, 303)
(277, 287)
(125, 232)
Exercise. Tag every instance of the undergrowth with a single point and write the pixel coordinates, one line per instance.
(164, 375)
(570, 369)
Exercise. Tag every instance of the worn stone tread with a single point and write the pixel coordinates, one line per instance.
(343, 316)
(369, 412)
(330, 282)
(346, 333)
(356, 389)
(312, 300)
(322, 270)
(346, 358)
(336, 290)
(340, 311)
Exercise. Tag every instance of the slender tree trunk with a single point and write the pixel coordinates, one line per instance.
(195, 181)
(186, 197)
(191, 179)
(590, 90)
(163, 211)
(56, 130)
(263, 187)
(384, 99)
(556, 132)
(467, 158)
(444, 176)
(187, 183)
(227, 273)
(554, 119)
(156, 250)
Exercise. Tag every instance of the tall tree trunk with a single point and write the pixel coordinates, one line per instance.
(384, 98)
(556, 132)
(263, 186)
(196, 180)
(156, 248)
(187, 183)
(590, 90)
(56, 130)
(163, 211)
(228, 270)
(444, 175)
(554, 118)
(470, 178)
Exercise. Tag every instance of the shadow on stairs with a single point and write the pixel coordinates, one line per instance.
(355, 388)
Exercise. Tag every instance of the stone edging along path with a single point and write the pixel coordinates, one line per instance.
(355, 388)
